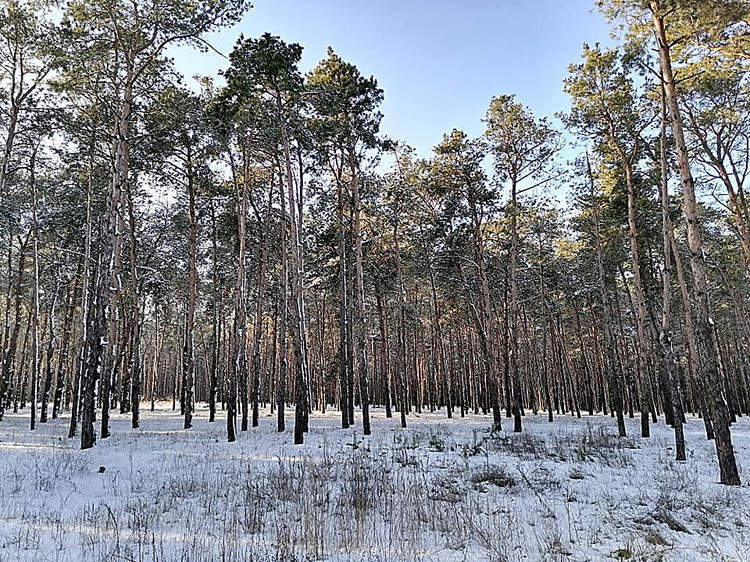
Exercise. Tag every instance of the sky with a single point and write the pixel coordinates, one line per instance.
(439, 61)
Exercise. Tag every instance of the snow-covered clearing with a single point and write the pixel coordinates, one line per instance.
(441, 490)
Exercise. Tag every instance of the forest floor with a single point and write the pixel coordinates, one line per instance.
(441, 490)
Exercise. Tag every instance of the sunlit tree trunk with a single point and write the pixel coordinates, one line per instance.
(708, 366)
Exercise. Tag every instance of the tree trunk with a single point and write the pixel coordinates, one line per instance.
(238, 372)
(301, 407)
(281, 391)
(344, 328)
(401, 353)
(259, 301)
(188, 354)
(610, 359)
(49, 359)
(102, 332)
(708, 366)
(35, 359)
(61, 376)
(642, 350)
(515, 374)
(215, 328)
(134, 357)
(359, 315)
(668, 359)
(9, 355)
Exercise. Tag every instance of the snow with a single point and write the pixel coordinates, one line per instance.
(443, 489)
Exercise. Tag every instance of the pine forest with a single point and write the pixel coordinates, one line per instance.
(240, 322)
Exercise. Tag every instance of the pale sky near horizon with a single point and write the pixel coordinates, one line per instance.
(439, 61)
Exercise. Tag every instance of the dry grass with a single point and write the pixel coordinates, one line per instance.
(431, 492)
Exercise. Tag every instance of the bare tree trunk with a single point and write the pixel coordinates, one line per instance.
(302, 406)
(401, 354)
(215, 329)
(440, 343)
(83, 351)
(359, 324)
(344, 327)
(669, 361)
(6, 324)
(281, 391)
(484, 319)
(515, 374)
(238, 373)
(708, 366)
(188, 360)
(134, 358)
(385, 364)
(642, 350)
(259, 302)
(35, 359)
(49, 359)
(102, 333)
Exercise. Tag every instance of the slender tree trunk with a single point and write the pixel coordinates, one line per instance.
(62, 373)
(301, 407)
(10, 135)
(484, 319)
(259, 302)
(35, 359)
(642, 350)
(443, 368)
(359, 316)
(239, 333)
(215, 328)
(385, 367)
(584, 361)
(343, 306)
(6, 324)
(692, 343)
(9, 355)
(136, 321)
(669, 361)
(49, 359)
(102, 332)
(83, 350)
(515, 373)
(188, 354)
(281, 391)
(401, 354)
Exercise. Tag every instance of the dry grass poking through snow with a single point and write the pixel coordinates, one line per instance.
(440, 490)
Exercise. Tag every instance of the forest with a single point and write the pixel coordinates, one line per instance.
(249, 248)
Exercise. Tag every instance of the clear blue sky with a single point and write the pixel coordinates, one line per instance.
(439, 61)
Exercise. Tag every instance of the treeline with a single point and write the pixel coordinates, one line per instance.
(241, 244)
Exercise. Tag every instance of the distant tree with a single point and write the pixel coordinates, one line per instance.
(264, 86)
(346, 104)
(523, 147)
(457, 176)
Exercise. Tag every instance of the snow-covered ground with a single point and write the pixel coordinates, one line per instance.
(441, 490)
